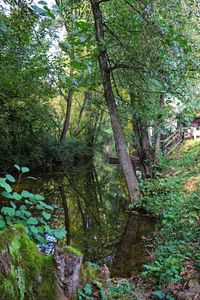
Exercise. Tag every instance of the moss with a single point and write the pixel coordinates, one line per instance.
(89, 273)
(25, 273)
(72, 250)
(47, 288)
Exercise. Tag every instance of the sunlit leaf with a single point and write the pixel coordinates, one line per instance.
(10, 178)
(46, 215)
(25, 169)
(32, 221)
(7, 195)
(8, 211)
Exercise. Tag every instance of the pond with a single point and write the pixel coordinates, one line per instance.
(90, 202)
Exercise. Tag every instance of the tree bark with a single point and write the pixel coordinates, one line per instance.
(158, 134)
(124, 159)
(85, 99)
(68, 111)
(144, 146)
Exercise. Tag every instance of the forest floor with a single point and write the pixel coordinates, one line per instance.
(173, 198)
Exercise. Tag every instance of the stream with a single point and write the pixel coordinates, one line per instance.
(90, 202)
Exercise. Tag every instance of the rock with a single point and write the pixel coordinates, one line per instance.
(68, 265)
(25, 274)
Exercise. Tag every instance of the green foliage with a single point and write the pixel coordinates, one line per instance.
(115, 290)
(68, 152)
(27, 270)
(178, 209)
(161, 295)
(24, 207)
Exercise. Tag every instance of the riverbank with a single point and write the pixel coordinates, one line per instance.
(173, 198)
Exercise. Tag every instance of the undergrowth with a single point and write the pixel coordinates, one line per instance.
(174, 198)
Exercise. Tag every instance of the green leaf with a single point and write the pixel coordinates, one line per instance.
(48, 230)
(10, 178)
(46, 206)
(34, 229)
(59, 233)
(40, 239)
(39, 10)
(23, 207)
(17, 167)
(27, 213)
(20, 214)
(32, 221)
(17, 196)
(2, 224)
(46, 215)
(25, 169)
(83, 25)
(26, 194)
(77, 64)
(42, 221)
(103, 294)
(49, 13)
(42, 2)
(9, 211)
(159, 294)
(8, 220)
(13, 204)
(28, 202)
(38, 197)
(5, 185)
(30, 177)
(7, 195)
(40, 207)
(3, 26)
(88, 289)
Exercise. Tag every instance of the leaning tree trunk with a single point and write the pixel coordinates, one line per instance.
(124, 159)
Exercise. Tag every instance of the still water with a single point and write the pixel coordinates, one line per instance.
(90, 202)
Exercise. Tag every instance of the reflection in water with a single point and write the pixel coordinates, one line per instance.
(90, 204)
(131, 251)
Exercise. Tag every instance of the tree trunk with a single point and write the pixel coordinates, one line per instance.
(85, 99)
(144, 146)
(158, 134)
(68, 111)
(124, 159)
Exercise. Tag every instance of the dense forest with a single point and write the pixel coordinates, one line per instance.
(100, 129)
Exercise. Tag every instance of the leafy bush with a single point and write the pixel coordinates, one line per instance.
(115, 290)
(68, 152)
(26, 208)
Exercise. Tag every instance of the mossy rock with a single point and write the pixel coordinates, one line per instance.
(24, 272)
(72, 250)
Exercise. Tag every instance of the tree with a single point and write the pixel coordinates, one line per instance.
(125, 162)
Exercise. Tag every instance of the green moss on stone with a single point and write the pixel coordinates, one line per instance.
(47, 288)
(26, 274)
(72, 250)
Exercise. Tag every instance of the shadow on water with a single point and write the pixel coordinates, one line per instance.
(133, 249)
(90, 203)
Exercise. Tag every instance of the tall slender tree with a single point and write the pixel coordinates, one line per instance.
(124, 159)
